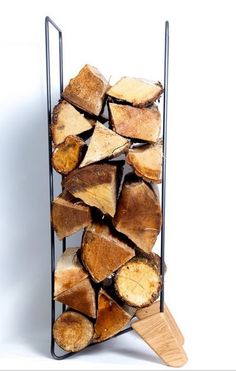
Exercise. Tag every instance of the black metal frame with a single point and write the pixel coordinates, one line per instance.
(48, 22)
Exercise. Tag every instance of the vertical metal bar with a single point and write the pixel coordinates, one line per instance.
(163, 200)
(51, 186)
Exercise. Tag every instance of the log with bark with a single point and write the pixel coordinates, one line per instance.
(138, 213)
(147, 161)
(69, 272)
(104, 143)
(67, 155)
(103, 251)
(87, 90)
(138, 92)
(96, 184)
(111, 317)
(138, 282)
(69, 215)
(66, 120)
(137, 123)
(72, 331)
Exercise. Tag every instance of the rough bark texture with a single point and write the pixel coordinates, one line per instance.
(96, 185)
(137, 123)
(66, 120)
(87, 90)
(111, 318)
(138, 282)
(147, 161)
(80, 297)
(104, 143)
(67, 155)
(136, 91)
(138, 214)
(69, 272)
(103, 252)
(72, 331)
(69, 215)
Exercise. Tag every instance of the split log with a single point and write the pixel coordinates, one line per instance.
(66, 120)
(111, 318)
(80, 297)
(69, 272)
(138, 213)
(103, 251)
(136, 123)
(138, 92)
(96, 185)
(147, 162)
(87, 90)
(138, 282)
(104, 143)
(69, 215)
(72, 331)
(67, 155)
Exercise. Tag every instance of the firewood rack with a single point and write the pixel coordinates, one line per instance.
(49, 23)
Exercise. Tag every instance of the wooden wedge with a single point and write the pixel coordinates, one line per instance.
(155, 308)
(156, 331)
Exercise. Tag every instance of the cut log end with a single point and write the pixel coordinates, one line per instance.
(138, 282)
(72, 331)
(67, 155)
(147, 162)
(87, 90)
(100, 245)
(80, 297)
(69, 215)
(136, 91)
(138, 213)
(104, 143)
(69, 272)
(96, 185)
(111, 318)
(66, 120)
(137, 123)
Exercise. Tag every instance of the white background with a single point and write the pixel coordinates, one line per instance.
(124, 38)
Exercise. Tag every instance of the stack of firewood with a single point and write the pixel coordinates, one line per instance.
(114, 272)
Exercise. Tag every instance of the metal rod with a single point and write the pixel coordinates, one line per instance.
(163, 196)
(48, 21)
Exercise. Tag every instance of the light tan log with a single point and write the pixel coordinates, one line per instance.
(147, 161)
(103, 252)
(136, 123)
(80, 297)
(156, 331)
(155, 308)
(72, 331)
(67, 155)
(138, 213)
(111, 318)
(66, 120)
(138, 282)
(87, 90)
(104, 143)
(96, 185)
(69, 272)
(69, 215)
(138, 92)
